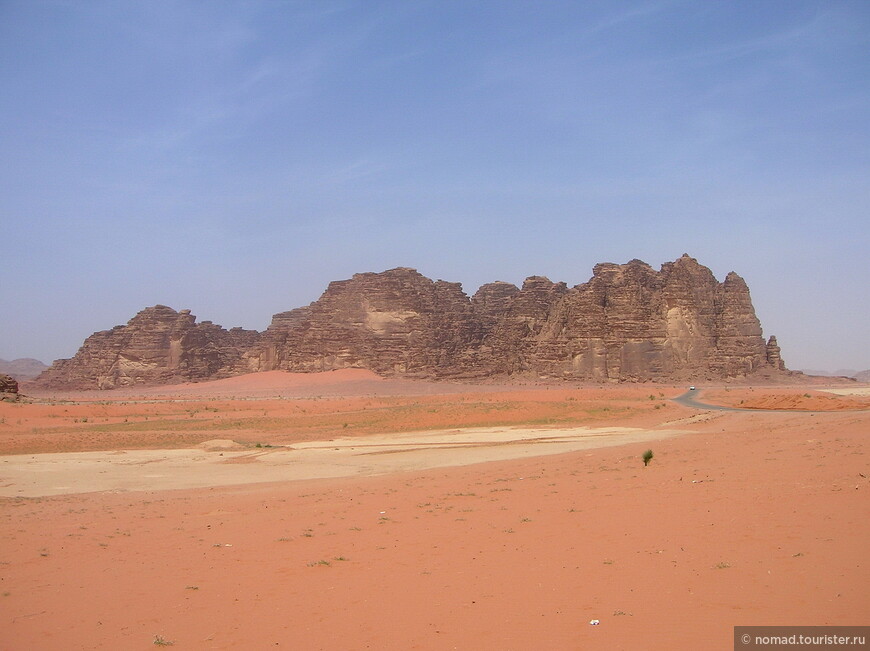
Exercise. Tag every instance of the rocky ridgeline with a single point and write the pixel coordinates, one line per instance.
(628, 322)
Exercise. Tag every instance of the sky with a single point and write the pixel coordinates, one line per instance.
(234, 157)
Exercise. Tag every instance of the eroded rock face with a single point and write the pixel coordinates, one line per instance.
(628, 322)
(774, 358)
(8, 387)
(158, 345)
(395, 322)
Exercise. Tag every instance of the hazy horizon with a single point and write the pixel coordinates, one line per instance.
(234, 158)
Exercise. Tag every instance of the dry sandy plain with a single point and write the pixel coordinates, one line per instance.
(342, 511)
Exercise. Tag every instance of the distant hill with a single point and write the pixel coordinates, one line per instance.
(22, 369)
(861, 376)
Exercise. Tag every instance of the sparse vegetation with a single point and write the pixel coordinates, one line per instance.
(159, 640)
(647, 457)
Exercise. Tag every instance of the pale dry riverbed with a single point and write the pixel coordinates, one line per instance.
(225, 463)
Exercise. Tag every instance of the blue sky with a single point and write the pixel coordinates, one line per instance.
(234, 157)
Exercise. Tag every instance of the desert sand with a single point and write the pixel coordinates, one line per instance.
(343, 511)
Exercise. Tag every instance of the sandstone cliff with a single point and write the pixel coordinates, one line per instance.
(8, 387)
(395, 322)
(158, 345)
(628, 322)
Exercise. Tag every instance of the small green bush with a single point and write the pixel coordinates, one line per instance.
(647, 457)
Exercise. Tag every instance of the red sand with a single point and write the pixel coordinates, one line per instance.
(754, 519)
(801, 398)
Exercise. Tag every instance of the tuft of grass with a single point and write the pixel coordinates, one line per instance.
(722, 565)
(159, 640)
(320, 562)
(647, 457)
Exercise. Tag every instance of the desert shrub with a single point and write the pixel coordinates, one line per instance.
(647, 457)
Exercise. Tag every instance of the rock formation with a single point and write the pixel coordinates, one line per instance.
(772, 353)
(158, 345)
(8, 388)
(628, 322)
(395, 323)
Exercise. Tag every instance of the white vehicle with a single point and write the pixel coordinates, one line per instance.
(691, 388)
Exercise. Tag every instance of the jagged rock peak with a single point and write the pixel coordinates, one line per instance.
(773, 354)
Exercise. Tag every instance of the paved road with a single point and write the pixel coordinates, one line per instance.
(688, 400)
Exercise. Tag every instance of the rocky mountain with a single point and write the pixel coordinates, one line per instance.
(157, 346)
(628, 322)
(25, 368)
(395, 323)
